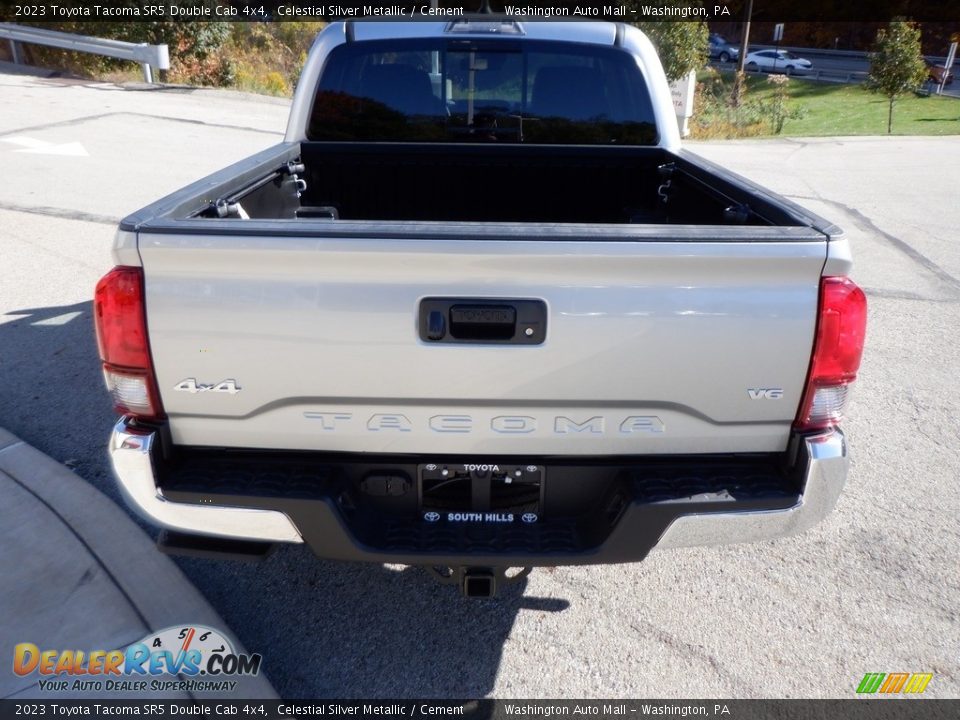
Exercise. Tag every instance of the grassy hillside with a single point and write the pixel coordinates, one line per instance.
(817, 108)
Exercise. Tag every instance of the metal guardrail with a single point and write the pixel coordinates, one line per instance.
(150, 57)
(839, 54)
(835, 76)
(815, 52)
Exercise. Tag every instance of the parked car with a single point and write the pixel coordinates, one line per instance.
(777, 61)
(938, 74)
(721, 49)
(435, 329)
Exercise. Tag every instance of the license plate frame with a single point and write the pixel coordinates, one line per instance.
(480, 492)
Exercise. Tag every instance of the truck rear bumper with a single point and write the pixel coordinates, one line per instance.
(134, 452)
(640, 503)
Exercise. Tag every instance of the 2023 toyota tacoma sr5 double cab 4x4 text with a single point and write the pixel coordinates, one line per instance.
(479, 310)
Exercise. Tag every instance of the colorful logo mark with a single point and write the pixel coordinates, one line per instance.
(892, 683)
(186, 650)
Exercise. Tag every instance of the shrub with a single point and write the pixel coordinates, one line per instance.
(270, 56)
(778, 106)
(717, 117)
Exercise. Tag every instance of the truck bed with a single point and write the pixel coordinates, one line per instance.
(484, 183)
(481, 183)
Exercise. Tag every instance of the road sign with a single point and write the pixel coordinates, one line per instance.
(682, 93)
(777, 37)
(951, 56)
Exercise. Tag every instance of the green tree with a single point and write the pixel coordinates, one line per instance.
(682, 45)
(896, 63)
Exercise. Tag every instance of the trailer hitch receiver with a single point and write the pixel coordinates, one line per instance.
(479, 582)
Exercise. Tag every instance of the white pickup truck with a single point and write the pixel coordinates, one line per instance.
(479, 311)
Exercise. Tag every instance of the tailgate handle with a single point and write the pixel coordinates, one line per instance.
(460, 320)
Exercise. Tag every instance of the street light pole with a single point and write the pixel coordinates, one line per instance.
(741, 58)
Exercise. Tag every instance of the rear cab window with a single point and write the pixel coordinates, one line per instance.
(503, 91)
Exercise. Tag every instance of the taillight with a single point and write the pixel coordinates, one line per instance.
(841, 328)
(121, 323)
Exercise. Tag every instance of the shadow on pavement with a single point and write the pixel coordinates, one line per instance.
(349, 630)
(53, 395)
(325, 629)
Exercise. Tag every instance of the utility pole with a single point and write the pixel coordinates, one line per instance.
(741, 58)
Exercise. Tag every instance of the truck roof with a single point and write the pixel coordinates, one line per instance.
(584, 31)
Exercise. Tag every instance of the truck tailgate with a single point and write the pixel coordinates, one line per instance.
(652, 346)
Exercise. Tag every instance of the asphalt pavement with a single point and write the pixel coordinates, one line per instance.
(872, 589)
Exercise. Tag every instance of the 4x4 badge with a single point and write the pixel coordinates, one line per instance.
(191, 385)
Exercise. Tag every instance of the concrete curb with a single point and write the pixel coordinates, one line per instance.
(79, 574)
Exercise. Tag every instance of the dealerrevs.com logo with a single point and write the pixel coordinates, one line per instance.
(183, 658)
